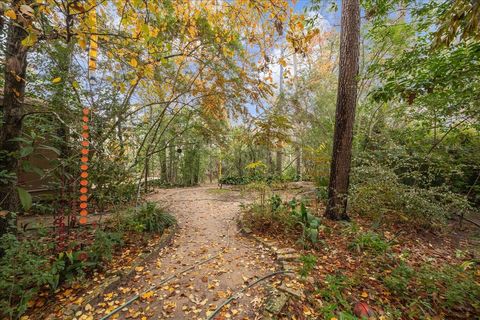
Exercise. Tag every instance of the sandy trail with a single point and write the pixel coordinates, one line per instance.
(207, 220)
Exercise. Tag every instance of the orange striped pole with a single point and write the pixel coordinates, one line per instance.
(92, 65)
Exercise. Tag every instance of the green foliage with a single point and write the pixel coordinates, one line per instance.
(24, 270)
(148, 217)
(369, 242)
(292, 218)
(28, 266)
(103, 246)
(397, 282)
(377, 192)
(310, 225)
(275, 203)
(332, 293)
(308, 264)
(450, 287)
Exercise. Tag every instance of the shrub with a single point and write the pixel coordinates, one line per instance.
(103, 246)
(369, 242)
(27, 266)
(291, 218)
(333, 296)
(308, 264)
(147, 218)
(23, 271)
(377, 192)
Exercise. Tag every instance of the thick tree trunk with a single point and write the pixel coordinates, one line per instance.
(14, 91)
(345, 112)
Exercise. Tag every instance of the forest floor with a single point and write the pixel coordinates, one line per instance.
(225, 261)
(207, 218)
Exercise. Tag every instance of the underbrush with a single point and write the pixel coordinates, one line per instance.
(33, 264)
(243, 180)
(147, 218)
(393, 279)
(379, 194)
(426, 289)
(292, 218)
(41, 262)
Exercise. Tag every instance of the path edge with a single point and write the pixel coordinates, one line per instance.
(114, 281)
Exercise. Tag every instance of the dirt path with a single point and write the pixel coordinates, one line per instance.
(207, 219)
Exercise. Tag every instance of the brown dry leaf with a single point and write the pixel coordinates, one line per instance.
(169, 306)
(139, 269)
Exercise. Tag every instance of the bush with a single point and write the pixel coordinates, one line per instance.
(27, 266)
(292, 218)
(378, 193)
(147, 218)
(103, 246)
(23, 271)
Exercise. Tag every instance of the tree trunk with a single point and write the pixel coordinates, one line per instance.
(14, 92)
(298, 162)
(146, 175)
(281, 101)
(345, 111)
(163, 164)
(279, 161)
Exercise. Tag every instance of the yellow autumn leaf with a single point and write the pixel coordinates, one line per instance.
(282, 62)
(29, 40)
(147, 295)
(57, 80)
(82, 43)
(134, 62)
(364, 294)
(11, 14)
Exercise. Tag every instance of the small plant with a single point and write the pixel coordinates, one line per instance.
(310, 224)
(397, 282)
(333, 296)
(147, 218)
(104, 245)
(308, 264)
(369, 242)
(275, 203)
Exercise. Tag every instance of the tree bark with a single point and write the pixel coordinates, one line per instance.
(14, 92)
(163, 164)
(345, 111)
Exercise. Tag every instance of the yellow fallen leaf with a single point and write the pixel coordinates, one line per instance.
(134, 62)
(364, 294)
(139, 269)
(57, 80)
(147, 295)
(11, 14)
